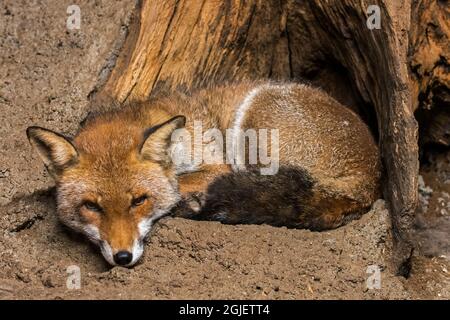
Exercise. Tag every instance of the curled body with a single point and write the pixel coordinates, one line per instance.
(118, 175)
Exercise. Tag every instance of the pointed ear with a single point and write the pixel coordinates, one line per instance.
(56, 151)
(157, 140)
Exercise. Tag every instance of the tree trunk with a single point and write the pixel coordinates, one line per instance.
(429, 63)
(184, 44)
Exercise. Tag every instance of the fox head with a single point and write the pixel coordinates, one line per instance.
(113, 181)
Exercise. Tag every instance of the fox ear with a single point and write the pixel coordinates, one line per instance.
(157, 140)
(55, 150)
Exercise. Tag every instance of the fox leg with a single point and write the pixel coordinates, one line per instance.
(193, 186)
(198, 181)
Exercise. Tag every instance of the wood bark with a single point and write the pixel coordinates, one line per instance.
(385, 74)
(429, 59)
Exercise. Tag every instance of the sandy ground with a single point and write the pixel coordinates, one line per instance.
(46, 75)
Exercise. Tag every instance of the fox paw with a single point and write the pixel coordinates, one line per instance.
(195, 201)
(189, 206)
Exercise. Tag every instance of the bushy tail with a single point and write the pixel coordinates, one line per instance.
(289, 198)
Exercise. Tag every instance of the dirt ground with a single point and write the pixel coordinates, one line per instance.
(47, 73)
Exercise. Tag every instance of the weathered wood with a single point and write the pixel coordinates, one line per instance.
(186, 44)
(430, 65)
(376, 62)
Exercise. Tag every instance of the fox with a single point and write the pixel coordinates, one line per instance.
(117, 176)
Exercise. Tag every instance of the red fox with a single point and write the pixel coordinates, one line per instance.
(118, 175)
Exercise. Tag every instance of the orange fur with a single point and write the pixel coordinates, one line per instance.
(119, 156)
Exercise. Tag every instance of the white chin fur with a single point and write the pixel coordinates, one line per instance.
(92, 232)
(146, 224)
(107, 252)
(138, 249)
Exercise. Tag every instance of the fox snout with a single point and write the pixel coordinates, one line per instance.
(125, 257)
(124, 252)
(122, 243)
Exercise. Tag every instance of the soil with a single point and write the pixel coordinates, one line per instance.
(433, 217)
(47, 73)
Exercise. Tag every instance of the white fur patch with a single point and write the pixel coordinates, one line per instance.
(73, 187)
(92, 232)
(239, 116)
(137, 250)
(107, 252)
(145, 225)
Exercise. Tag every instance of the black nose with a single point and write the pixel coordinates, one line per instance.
(123, 258)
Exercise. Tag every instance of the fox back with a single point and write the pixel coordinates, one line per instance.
(117, 176)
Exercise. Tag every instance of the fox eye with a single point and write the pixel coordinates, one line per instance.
(92, 206)
(138, 201)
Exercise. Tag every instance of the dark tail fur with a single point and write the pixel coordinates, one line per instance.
(289, 198)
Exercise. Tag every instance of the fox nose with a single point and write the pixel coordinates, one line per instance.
(122, 258)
